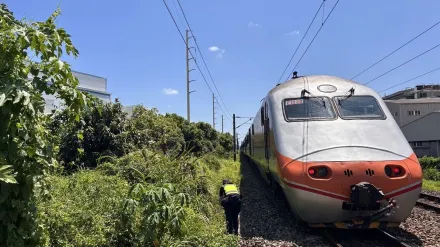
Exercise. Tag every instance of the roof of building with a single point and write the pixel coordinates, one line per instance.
(424, 128)
(414, 101)
(77, 72)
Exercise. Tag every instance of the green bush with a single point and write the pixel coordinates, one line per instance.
(203, 223)
(429, 162)
(83, 210)
(431, 174)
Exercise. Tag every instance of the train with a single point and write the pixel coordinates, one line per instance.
(333, 148)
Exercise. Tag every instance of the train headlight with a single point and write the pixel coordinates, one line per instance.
(319, 172)
(388, 171)
(322, 172)
(393, 171)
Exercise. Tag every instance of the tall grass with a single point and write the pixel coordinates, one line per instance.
(141, 199)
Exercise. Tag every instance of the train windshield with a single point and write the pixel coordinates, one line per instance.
(355, 107)
(317, 108)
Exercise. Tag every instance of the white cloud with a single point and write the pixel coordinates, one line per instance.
(170, 91)
(214, 48)
(293, 33)
(218, 51)
(251, 25)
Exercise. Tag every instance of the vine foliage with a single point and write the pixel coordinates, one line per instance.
(30, 66)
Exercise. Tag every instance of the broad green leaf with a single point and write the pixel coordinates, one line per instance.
(80, 136)
(2, 99)
(18, 97)
(6, 174)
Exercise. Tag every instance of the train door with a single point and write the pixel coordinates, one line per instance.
(266, 133)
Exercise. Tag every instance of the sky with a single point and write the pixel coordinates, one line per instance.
(246, 45)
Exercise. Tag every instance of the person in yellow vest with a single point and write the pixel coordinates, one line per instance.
(230, 199)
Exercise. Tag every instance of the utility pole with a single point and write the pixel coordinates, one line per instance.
(238, 146)
(222, 124)
(187, 77)
(233, 140)
(213, 111)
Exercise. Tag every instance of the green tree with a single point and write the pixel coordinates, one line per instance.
(25, 149)
(148, 129)
(98, 133)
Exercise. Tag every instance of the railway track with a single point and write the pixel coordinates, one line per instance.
(429, 202)
(338, 238)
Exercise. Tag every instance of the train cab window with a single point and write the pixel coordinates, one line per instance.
(356, 107)
(315, 108)
(253, 129)
(262, 116)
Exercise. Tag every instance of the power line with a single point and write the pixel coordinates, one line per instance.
(195, 61)
(203, 59)
(288, 64)
(175, 23)
(178, 15)
(396, 50)
(331, 11)
(402, 64)
(410, 79)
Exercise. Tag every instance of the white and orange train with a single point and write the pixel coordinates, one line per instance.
(336, 152)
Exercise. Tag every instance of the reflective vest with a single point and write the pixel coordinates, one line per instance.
(230, 189)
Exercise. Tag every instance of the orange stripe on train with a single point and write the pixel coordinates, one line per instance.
(296, 171)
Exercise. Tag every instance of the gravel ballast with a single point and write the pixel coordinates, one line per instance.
(265, 221)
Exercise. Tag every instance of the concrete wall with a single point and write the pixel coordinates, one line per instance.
(400, 110)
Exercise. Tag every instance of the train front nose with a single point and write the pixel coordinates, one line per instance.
(350, 190)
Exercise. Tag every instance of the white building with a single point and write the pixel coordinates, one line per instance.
(94, 85)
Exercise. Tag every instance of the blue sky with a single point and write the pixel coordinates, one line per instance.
(135, 45)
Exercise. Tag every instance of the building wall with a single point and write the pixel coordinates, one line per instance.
(94, 85)
(91, 82)
(405, 113)
(426, 148)
(424, 135)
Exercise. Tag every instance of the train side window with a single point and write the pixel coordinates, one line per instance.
(262, 116)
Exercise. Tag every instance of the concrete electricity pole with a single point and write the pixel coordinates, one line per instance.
(233, 138)
(187, 77)
(213, 111)
(222, 124)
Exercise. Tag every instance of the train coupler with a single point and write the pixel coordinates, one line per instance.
(364, 196)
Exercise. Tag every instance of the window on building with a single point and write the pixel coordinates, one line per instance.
(417, 144)
(413, 113)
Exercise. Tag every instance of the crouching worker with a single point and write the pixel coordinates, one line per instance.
(230, 199)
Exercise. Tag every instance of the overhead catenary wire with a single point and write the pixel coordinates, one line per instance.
(177, 11)
(374, 64)
(305, 34)
(201, 56)
(429, 72)
(421, 54)
(197, 65)
(311, 42)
